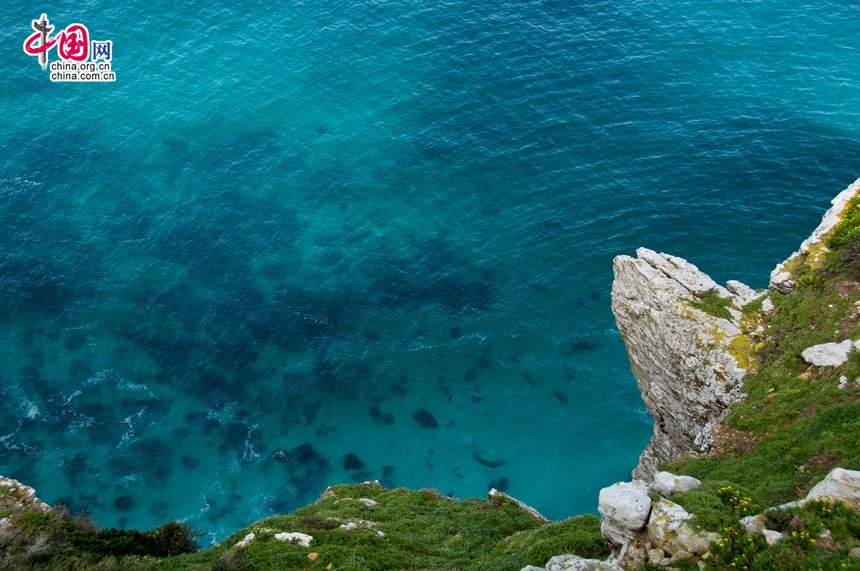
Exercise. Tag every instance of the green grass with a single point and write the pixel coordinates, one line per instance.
(712, 304)
(795, 425)
(580, 535)
(422, 530)
(848, 227)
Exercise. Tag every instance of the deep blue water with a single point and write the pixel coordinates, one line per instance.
(288, 228)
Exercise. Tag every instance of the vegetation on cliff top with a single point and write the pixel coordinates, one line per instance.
(419, 530)
(797, 423)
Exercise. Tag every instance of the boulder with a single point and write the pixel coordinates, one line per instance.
(576, 563)
(667, 484)
(669, 529)
(302, 539)
(246, 540)
(839, 484)
(664, 523)
(625, 507)
(828, 354)
(771, 536)
(693, 541)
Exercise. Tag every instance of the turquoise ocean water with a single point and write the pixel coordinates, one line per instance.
(304, 243)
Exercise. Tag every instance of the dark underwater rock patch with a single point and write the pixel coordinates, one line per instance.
(123, 503)
(582, 346)
(301, 454)
(561, 397)
(501, 484)
(487, 462)
(425, 418)
(159, 509)
(361, 476)
(30, 373)
(190, 462)
(352, 462)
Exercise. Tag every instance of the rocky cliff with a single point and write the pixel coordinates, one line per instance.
(691, 341)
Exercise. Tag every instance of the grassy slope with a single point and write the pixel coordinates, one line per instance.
(422, 530)
(796, 424)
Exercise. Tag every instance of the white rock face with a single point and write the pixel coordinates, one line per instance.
(625, 507)
(669, 530)
(368, 502)
(839, 484)
(16, 497)
(829, 354)
(684, 359)
(667, 484)
(246, 540)
(302, 539)
(771, 536)
(813, 248)
(576, 563)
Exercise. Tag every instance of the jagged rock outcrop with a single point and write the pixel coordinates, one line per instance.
(667, 484)
(812, 250)
(641, 531)
(15, 497)
(689, 363)
(625, 507)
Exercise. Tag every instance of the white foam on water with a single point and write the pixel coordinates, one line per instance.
(129, 435)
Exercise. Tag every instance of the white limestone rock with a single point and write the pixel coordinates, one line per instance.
(684, 360)
(368, 502)
(625, 507)
(828, 354)
(839, 484)
(812, 249)
(665, 521)
(771, 536)
(753, 523)
(669, 529)
(576, 563)
(532, 568)
(743, 293)
(17, 497)
(692, 540)
(246, 540)
(302, 539)
(666, 484)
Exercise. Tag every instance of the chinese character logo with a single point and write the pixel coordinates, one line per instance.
(101, 50)
(74, 43)
(79, 58)
(43, 30)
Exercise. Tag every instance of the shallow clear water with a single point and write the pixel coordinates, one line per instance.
(285, 230)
